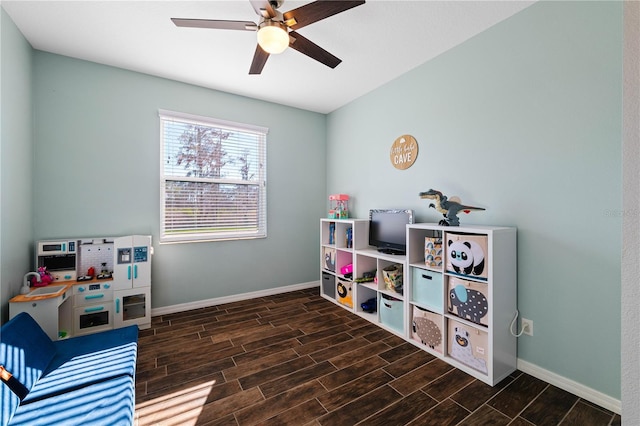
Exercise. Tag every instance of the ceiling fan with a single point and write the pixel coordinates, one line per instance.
(277, 31)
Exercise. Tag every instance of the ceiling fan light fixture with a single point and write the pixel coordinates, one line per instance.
(273, 36)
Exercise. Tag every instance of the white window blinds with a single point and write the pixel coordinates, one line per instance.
(212, 179)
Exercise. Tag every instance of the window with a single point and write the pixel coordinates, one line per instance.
(212, 179)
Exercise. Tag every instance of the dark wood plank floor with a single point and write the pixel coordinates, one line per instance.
(298, 359)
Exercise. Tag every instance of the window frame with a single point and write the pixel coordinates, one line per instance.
(260, 183)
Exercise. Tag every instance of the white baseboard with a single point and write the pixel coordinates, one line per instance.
(592, 395)
(233, 298)
(568, 385)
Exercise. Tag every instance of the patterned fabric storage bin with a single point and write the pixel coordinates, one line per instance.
(329, 258)
(393, 278)
(466, 255)
(433, 251)
(391, 312)
(468, 300)
(427, 289)
(344, 293)
(426, 328)
(468, 345)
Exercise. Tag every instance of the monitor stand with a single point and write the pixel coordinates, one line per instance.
(394, 252)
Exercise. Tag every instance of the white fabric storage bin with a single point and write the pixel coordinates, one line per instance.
(391, 312)
(427, 289)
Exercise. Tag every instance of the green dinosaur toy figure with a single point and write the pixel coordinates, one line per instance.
(448, 207)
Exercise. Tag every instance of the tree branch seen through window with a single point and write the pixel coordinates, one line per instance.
(213, 179)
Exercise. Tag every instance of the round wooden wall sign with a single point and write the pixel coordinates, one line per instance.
(404, 152)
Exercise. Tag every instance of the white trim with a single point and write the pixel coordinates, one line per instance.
(165, 310)
(209, 121)
(189, 230)
(585, 392)
(630, 337)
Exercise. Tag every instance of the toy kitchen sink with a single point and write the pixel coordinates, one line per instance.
(48, 290)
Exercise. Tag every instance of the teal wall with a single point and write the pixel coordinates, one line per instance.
(96, 173)
(16, 160)
(525, 120)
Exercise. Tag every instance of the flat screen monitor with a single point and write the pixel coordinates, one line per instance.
(388, 229)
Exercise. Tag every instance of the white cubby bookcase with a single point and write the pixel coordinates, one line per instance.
(459, 291)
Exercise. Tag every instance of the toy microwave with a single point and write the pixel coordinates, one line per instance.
(56, 247)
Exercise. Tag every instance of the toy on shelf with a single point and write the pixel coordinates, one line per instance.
(347, 269)
(370, 306)
(332, 233)
(448, 207)
(339, 206)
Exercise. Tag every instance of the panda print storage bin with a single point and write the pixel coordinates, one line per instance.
(466, 255)
(468, 345)
(426, 328)
(468, 300)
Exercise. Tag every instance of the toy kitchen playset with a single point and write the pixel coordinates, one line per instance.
(88, 285)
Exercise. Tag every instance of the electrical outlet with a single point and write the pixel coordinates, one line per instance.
(527, 326)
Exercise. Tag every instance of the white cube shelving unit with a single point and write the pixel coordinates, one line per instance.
(458, 306)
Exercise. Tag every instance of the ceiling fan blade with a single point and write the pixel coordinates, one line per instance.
(259, 59)
(215, 24)
(263, 8)
(312, 50)
(318, 10)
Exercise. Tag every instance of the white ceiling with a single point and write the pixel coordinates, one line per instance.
(377, 42)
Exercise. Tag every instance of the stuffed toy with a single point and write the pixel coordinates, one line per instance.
(45, 278)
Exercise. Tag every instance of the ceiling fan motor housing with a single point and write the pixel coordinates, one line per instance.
(276, 3)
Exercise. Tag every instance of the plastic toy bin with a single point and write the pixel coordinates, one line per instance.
(427, 289)
(390, 310)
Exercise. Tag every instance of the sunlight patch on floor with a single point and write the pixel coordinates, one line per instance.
(178, 408)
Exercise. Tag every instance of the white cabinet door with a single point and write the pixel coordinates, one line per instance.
(132, 306)
(45, 313)
(141, 261)
(132, 263)
(122, 263)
